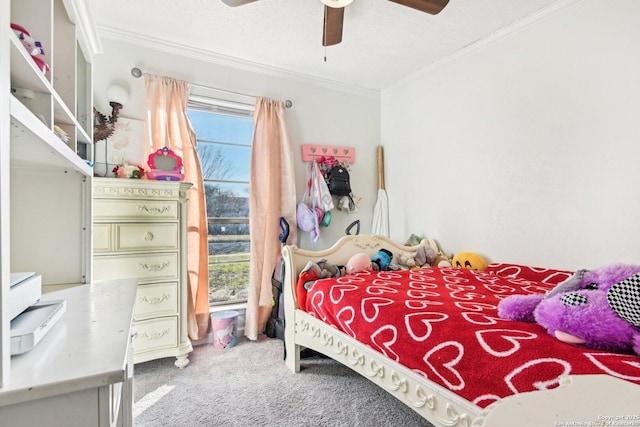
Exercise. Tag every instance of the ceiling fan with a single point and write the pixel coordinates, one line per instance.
(334, 14)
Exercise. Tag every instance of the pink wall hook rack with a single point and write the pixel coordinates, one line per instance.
(343, 154)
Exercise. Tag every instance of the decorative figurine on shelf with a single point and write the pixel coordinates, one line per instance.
(165, 165)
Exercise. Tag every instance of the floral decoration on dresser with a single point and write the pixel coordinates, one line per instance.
(128, 171)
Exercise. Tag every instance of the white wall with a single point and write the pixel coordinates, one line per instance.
(526, 149)
(321, 113)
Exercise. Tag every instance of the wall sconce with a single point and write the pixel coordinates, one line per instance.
(104, 126)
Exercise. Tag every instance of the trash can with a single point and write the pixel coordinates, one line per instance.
(224, 329)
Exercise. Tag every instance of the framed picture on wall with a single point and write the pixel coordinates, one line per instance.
(124, 146)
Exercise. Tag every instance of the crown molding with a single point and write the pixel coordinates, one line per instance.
(167, 46)
(81, 15)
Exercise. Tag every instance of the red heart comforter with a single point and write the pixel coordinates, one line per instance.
(443, 324)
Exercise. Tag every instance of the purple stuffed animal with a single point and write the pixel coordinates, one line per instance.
(598, 309)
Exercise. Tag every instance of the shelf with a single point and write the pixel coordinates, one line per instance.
(32, 142)
(46, 185)
(25, 74)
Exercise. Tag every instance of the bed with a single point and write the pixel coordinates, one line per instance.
(453, 373)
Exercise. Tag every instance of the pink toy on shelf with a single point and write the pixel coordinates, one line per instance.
(165, 165)
(33, 47)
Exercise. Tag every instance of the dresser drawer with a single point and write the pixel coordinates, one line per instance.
(145, 267)
(155, 334)
(144, 237)
(140, 210)
(156, 299)
(101, 238)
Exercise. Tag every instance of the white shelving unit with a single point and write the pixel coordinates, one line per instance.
(45, 183)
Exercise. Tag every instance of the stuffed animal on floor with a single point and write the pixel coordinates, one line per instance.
(598, 309)
(469, 260)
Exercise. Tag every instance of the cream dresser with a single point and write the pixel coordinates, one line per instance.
(139, 230)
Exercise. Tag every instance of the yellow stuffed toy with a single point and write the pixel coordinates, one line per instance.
(469, 260)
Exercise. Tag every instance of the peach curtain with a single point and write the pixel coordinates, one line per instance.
(272, 195)
(168, 126)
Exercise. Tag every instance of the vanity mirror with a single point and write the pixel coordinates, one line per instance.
(165, 165)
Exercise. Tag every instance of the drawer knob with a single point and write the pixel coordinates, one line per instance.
(148, 236)
(153, 267)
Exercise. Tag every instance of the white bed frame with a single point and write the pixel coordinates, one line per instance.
(580, 399)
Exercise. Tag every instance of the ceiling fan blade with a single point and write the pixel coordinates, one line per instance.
(332, 30)
(432, 7)
(234, 3)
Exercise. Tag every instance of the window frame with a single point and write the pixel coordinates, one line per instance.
(216, 105)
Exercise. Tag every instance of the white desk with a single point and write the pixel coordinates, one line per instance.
(81, 373)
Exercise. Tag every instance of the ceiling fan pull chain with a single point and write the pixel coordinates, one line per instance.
(325, 54)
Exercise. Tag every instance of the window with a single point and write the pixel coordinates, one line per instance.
(224, 133)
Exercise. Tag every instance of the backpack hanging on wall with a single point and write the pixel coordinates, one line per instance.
(339, 182)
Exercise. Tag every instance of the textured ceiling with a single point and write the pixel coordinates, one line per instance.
(382, 43)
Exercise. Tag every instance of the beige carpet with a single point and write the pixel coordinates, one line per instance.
(249, 385)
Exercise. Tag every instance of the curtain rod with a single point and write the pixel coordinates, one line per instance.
(137, 73)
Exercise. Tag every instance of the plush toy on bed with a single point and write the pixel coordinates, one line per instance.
(598, 309)
(424, 255)
(314, 270)
(469, 260)
(357, 263)
(381, 260)
(407, 259)
(427, 255)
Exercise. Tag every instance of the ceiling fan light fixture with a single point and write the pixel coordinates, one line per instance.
(336, 3)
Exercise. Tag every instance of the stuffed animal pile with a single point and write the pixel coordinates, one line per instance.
(425, 254)
(321, 269)
(598, 308)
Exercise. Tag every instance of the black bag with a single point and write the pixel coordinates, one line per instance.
(339, 184)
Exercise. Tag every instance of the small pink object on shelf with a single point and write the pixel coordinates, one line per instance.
(32, 46)
(42, 66)
(165, 165)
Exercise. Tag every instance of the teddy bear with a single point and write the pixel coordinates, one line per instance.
(597, 309)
